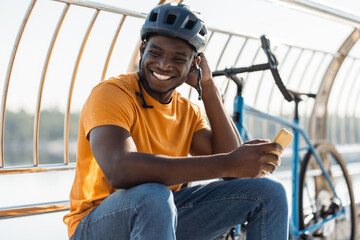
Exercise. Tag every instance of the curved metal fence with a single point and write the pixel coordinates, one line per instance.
(83, 49)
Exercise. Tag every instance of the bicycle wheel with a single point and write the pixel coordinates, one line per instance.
(318, 202)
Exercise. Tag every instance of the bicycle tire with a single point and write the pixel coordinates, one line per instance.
(320, 200)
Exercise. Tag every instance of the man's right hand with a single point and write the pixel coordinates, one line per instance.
(251, 159)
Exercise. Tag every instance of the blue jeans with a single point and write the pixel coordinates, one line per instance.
(203, 212)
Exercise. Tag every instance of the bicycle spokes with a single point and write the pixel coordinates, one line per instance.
(325, 214)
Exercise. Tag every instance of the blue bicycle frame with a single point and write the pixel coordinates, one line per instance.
(238, 116)
(239, 108)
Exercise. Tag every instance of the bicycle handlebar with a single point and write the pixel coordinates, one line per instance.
(265, 44)
(271, 64)
(232, 71)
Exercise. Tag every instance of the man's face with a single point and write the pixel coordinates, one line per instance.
(165, 65)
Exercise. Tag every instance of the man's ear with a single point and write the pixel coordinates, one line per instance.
(142, 48)
(196, 60)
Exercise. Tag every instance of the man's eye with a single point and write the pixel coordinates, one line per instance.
(181, 60)
(154, 53)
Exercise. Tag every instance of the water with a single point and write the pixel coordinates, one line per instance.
(45, 226)
(21, 189)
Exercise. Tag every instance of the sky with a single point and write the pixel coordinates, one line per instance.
(250, 17)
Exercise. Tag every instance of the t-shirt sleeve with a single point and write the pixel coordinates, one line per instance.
(201, 119)
(108, 104)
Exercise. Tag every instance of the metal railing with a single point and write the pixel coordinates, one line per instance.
(37, 167)
(303, 69)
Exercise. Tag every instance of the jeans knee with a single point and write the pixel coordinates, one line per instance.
(155, 198)
(276, 194)
(153, 193)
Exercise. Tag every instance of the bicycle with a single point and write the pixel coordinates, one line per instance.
(323, 205)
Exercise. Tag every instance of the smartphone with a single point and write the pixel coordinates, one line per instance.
(284, 137)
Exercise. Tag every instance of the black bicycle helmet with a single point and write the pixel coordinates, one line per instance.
(176, 20)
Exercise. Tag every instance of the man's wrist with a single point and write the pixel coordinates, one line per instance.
(208, 87)
(224, 168)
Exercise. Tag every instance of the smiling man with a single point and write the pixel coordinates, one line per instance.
(135, 136)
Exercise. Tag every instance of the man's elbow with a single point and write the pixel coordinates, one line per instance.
(122, 177)
(120, 181)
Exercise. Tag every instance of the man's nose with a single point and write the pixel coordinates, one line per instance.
(165, 63)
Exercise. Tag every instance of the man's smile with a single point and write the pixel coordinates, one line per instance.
(161, 77)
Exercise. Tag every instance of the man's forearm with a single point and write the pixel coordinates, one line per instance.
(224, 133)
(124, 167)
(136, 168)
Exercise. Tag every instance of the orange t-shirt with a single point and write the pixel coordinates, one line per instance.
(165, 129)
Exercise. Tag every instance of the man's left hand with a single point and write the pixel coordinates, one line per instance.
(194, 73)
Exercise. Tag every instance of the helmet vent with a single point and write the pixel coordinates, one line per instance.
(170, 19)
(153, 17)
(190, 24)
(203, 31)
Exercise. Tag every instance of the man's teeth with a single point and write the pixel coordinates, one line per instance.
(161, 77)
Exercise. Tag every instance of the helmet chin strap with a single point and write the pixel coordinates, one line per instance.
(198, 89)
(140, 94)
